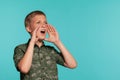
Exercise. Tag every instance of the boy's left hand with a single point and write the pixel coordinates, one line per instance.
(53, 35)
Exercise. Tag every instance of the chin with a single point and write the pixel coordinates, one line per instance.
(41, 38)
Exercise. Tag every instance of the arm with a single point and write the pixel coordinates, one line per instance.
(69, 60)
(25, 63)
(53, 37)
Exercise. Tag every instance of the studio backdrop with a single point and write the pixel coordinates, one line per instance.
(90, 30)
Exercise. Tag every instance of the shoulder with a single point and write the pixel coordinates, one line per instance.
(48, 47)
(21, 46)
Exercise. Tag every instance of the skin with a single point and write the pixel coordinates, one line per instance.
(38, 24)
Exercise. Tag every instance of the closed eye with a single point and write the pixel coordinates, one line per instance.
(46, 23)
(38, 22)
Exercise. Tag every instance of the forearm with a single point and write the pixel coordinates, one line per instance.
(69, 60)
(25, 63)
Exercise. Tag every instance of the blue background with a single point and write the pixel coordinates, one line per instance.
(90, 29)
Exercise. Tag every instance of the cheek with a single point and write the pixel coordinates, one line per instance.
(38, 32)
(33, 26)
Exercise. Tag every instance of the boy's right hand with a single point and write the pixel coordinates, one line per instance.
(34, 37)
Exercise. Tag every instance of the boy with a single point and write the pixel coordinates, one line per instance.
(36, 61)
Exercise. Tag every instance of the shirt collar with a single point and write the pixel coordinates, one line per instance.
(35, 44)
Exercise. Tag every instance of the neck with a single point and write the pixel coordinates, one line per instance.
(39, 43)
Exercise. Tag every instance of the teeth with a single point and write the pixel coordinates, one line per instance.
(42, 31)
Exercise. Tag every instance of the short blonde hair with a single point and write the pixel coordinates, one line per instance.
(31, 15)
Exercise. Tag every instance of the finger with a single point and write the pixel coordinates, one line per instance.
(37, 28)
(51, 28)
(46, 39)
(35, 31)
(48, 30)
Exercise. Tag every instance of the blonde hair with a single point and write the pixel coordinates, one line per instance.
(31, 15)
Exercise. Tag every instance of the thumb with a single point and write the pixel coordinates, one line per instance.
(46, 39)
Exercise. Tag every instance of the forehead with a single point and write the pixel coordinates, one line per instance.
(39, 17)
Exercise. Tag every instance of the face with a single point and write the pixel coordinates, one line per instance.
(39, 20)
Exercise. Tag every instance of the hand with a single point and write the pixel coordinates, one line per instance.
(34, 37)
(53, 35)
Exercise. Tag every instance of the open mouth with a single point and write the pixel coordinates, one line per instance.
(43, 32)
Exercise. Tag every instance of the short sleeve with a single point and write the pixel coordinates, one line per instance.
(18, 54)
(58, 57)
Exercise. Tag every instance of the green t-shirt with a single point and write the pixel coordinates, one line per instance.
(44, 62)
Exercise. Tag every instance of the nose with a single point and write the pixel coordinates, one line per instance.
(44, 26)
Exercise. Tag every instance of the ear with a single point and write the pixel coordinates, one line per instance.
(28, 29)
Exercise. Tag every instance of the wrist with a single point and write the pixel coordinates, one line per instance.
(57, 42)
(32, 42)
